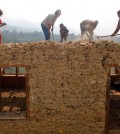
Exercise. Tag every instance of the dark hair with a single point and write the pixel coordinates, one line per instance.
(1, 12)
(61, 25)
(118, 12)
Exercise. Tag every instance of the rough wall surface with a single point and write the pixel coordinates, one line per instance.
(67, 86)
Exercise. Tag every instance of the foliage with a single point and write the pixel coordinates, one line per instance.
(19, 37)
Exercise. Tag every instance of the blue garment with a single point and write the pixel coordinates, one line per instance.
(46, 32)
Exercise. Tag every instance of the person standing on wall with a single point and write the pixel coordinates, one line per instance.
(118, 25)
(48, 23)
(63, 32)
(1, 24)
(87, 27)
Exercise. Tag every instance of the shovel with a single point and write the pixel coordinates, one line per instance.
(52, 36)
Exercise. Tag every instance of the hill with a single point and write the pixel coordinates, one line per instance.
(27, 26)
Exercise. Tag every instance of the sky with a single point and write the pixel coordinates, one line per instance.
(73, 12)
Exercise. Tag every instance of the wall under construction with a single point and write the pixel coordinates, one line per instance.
(67, 83)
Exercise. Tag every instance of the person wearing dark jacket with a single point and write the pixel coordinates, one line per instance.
(118, 25)
(63, 32)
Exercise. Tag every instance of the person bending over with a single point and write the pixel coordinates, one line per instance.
(87, 27)
(48, 23)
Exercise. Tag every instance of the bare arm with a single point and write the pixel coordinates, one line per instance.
(117, 28)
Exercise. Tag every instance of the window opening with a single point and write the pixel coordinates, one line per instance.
(114, 98)
(22, 71)
(9, 70)
(14, 92)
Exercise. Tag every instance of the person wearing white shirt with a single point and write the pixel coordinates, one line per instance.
(48, 23)
(87, 27)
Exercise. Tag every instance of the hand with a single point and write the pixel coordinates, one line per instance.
(65, 35)
(3, 24)
(112, 35)
(52, 29)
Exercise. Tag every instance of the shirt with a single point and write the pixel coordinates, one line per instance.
(88, 25)
(0, 21)
(50, 19)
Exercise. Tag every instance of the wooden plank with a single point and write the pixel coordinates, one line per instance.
(27, 91)
(107, 104)
(14, 65)
(111, 65)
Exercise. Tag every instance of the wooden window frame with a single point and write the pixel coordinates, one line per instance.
(108, 94)
(26, 84)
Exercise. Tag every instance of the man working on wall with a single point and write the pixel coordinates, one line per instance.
(87, 27)
(118, 25)
(48, 23)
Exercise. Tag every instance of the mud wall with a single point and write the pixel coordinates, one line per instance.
(67, 86)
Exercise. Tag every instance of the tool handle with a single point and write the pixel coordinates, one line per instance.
(106, 36)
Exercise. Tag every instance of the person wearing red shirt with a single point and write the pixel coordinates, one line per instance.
(1, 24)
(1, 13)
